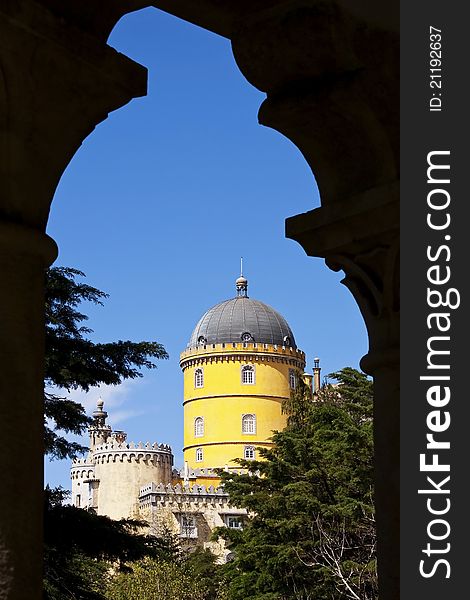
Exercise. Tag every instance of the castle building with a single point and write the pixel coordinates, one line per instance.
(109, 479)
(239, 365)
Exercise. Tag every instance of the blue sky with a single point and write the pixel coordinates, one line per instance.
(160, 202)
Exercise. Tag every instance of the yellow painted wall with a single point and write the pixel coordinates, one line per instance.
(223, 400)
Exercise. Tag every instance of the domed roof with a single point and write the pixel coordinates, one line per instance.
(242, 319)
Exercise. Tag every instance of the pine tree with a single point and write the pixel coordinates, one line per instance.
(310, 533)
(75, 362)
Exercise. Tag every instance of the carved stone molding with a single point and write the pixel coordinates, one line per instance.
(373, 279)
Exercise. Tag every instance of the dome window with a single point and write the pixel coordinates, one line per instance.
(248, 375)
(198, 427)
(249, 423)
(292, 379)
(247, 337)
(286, 340)
(198, 378)
(199, 455)
(201, 340)
(249, 453)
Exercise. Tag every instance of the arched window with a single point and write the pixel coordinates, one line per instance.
(248, 374)
(249, 423)
(198, 378)
(292, 379)
(199, 454)
(199, 426)
(249, 453)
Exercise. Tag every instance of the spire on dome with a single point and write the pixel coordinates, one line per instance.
(242, 283)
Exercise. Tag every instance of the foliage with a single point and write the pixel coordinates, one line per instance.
(194, 577)
(310, 534)
(150, 578)
(75, 362)
(202, 563)
(92, 557)
(80, 547)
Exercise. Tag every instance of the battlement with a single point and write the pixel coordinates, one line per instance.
(155, 494)
(114, 445)
(229, 351)
(87, 461)
(82, 471)
(208, 472)
(114, 451)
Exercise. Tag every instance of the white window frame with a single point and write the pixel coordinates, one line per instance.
(245, 370)
(188, 526)
(199, 427)
(292, 379)
(233, 519)
(199, 378)
(249, 450)
(249, 424)
(199, 455)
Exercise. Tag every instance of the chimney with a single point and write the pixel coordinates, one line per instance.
(316, 375)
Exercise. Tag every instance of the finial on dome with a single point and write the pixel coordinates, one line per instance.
(242, 283)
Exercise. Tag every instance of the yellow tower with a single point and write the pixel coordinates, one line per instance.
(240, 363)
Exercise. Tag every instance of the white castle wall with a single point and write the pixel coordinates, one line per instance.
(81, 473)
(110, 478)
(122, 469)
(163, 507)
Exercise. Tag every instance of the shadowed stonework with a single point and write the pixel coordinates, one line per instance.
(330, 74)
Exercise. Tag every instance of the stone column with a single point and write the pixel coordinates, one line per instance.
(57, 82)
(331, 79)
(24, 253)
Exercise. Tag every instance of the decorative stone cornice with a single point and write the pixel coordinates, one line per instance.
(242, 352)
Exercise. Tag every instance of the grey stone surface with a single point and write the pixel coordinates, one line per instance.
(228, 321)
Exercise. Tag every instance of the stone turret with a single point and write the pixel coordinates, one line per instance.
(99, 431)
(109, 479)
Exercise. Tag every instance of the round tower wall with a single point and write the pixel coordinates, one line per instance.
(225, 397)
(123, 471)
(81, 472)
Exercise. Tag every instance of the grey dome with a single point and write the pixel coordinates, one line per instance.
(242, 319)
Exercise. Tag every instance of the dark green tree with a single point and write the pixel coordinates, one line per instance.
(80, 547)
(75, 362)
(310, 533)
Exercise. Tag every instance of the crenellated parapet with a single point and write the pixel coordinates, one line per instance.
(88, 460)
(179, 495)
(207, 473)
(83, 472)
(82, 468)
(242, 351)
(113, 451)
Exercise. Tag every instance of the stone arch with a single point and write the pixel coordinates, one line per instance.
(329, 70)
